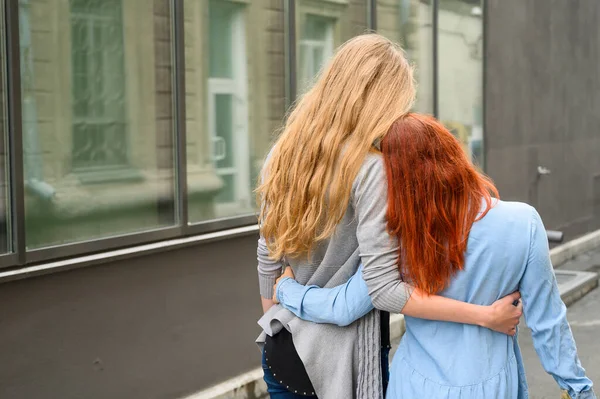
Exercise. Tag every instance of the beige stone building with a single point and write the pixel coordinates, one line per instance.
(98, 106)
(98, 111)
(98, 102)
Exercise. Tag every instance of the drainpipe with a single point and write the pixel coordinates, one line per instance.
(32, 156)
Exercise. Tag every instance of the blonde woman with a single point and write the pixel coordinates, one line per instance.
(323, 200)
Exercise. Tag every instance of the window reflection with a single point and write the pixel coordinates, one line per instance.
(410, 23)
(320, 28)
(460, 57)
(97, 118)
(235, 101)
(98, 85)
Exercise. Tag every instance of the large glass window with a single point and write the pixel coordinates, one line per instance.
(98, 102)
(235, 92)
(97, 118)
(4, 158)
(410, 23)
(460, 58)
(321, 26)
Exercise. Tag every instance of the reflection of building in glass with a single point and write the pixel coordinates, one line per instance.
(98, 85)
(315, 46)
(98, 117)
(98, 112)
(410, 23)
(460, 70)
(321, 26)
(92, 113)
(235, 94)
(98, 98)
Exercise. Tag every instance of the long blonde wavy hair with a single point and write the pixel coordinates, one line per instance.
(307, 181)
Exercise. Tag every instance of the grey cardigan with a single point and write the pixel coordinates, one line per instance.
(344, 362)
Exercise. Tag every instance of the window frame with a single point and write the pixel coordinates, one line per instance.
(235, 86)
(21, 257)
(92, 22)
(92, 251)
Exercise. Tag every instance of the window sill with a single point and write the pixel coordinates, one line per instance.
(125, 174)
(321, 3)
(75, 199)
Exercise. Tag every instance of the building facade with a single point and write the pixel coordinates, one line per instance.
(132, 133)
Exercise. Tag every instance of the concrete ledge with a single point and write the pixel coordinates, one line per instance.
(571, 249)
(251, 385)
(246, 386)
(579, 284)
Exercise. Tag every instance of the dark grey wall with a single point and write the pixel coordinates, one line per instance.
(150, 327)
(543, 107)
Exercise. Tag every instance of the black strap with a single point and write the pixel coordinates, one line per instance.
(385, 329)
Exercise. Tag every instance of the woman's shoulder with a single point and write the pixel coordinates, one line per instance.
(373, 164)
(516, 208)
(372, 171)
(509, 217)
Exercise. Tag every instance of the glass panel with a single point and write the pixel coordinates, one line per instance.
(460, 46)
(317, 28)
(98, 84)
(97, 118)
(321, 27)
(409, 22)
(5, 241)
(235, 101)
(221, 43)
(315, 47)
(224, 130)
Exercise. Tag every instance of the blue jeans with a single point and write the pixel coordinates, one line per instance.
(278, 391)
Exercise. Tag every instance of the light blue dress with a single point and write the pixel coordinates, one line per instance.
(507, 251)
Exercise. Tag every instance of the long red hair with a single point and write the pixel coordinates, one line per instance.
(435, 194)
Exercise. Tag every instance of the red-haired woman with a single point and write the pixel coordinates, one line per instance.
(458, 241)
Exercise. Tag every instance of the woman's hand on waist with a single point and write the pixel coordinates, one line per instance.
(505, 313)
(288, 273)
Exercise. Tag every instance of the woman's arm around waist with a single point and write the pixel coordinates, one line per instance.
(379, 254)
(341, 305)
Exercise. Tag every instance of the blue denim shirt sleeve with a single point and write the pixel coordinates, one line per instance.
(546, 316)
(341, 305)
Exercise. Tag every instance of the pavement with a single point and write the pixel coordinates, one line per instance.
(584, 318)
(587, 261)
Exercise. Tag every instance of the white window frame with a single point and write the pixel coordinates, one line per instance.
(237, 87)
(308, 47)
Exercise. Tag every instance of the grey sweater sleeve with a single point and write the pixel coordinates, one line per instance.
(378, 250)
(268, 269)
